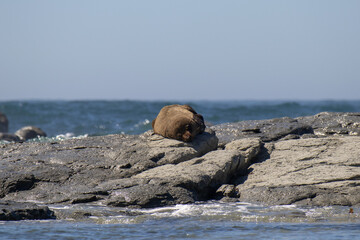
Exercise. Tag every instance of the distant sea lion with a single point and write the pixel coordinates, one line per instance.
(9, 137)
(179, 122)
(4, 123)
(29, 132)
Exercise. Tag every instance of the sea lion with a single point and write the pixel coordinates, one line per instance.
(4, 123)
(179, 122)
(9, 137)
(29, 132)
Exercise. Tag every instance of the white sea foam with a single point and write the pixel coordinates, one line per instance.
(200, 209)
(70, 136)
(142, 123)
(212, 211)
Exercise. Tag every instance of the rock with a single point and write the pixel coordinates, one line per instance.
(9, 137)
(307, 161)
(4, 123)
(91, 169)
(198, 178)
(227, 190)
(14, 211)
(29, 132)
(326, 123)
(266, 130)
(150, 195)
(317, 171)
(180, 151)
(322, 124)
(249, 148)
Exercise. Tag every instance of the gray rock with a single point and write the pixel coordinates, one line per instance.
(266, 130)
(249, 148)
(29, 132)
(317, 171)
(4, 123)
(150, 195)
(200, 176)
(227, 190)
(93, 168)
(322, 124)
(326, 123)
(14, 211)
(308, 161)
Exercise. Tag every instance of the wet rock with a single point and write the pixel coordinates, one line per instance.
(14, 211)
(150, 195)
(4, 123)
(227, 190)
(29, 132)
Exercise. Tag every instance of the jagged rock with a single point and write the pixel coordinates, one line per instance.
(266, 130)
(29, 132)
(150, 195)
(322, 124)
(14, 211)
(198, 178)
(227, 190)
(309, 161)
(249, 148)
(4, 123)
(327, 123)
(317, 171)
(89, 169)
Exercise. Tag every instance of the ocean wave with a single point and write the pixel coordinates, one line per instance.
(57, 138)
(65, 136)
(217, 210)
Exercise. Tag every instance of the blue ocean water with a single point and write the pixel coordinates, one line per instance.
(210, 220)
(77, 118)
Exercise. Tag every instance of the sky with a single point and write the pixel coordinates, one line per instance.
(180, 50)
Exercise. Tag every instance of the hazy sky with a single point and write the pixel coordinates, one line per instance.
(179, 50)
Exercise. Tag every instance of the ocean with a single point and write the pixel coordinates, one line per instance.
(203, 220)
(90, 118)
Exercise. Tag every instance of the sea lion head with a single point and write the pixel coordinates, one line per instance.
(186, 129)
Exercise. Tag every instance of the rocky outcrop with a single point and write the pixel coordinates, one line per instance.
(311, 171)
(14, 211)
(322, 124)
(266, 130)
(309, 161)
(96, 169)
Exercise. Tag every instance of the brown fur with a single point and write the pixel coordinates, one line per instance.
(179, 122)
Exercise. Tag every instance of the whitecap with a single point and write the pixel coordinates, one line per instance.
(70, 136)
(142, 123)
